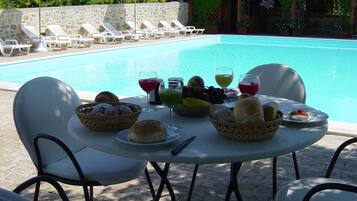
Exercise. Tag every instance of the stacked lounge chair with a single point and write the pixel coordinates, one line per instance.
(77, 40)
(180, 26)
(11, 47)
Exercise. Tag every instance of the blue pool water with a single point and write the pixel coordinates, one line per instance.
(328, 67)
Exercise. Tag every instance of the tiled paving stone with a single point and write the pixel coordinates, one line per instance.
(211, 183)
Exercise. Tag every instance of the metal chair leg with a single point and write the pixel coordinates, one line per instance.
(91, 193)
(37, 191)
(296, 167)
(274, 176)
(192, 182)
(148, 180)
(86, 193)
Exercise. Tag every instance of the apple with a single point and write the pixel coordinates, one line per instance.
(196, 84)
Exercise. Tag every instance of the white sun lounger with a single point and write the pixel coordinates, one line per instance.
(122, 35)
(144, 34)
(49, 42)
(180, 26)
(10, 47)
(99, 37)
(185, 32)
(77, 40)
(167, 32)
(167, 26)
(155, 32)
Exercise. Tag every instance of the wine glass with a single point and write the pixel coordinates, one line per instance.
(224, 77)
(170, 93)
(249, 83)
(147, 82)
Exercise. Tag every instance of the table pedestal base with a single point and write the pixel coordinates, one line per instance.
(165, 182)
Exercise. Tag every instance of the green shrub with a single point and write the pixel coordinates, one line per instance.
(34, 3)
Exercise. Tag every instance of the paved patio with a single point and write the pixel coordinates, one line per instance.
(95, 47)
(254, 179)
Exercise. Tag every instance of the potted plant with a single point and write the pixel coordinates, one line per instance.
(242, 27)
(283, 27)
(298, 28)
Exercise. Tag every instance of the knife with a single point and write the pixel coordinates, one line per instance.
(182, 145)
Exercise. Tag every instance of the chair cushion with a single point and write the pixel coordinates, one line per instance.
(98, 166)
(296, 190)
(10, 196)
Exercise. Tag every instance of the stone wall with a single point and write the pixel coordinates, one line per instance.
(71, 17)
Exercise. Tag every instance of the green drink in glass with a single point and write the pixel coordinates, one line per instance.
(170, 97)
(170, 93)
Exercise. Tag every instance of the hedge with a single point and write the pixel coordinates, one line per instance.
(45, 3)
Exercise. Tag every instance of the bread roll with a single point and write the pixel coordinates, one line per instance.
(244, 95)
(147, 131)
(248, 107)
(270, 109)
(222, 113)
(106, 97)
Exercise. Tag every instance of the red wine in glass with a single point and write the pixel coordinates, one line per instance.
(250, 88)
(249, 83)
(148, 84)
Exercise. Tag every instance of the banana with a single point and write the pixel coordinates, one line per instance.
(195, 102)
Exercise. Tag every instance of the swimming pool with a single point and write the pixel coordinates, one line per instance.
(326, 66)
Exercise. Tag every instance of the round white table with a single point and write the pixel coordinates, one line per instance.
(208, 147)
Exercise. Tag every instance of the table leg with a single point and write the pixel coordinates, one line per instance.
(192, 182)
(233, 183)
(164, 181)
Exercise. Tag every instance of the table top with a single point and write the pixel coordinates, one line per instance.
(208, 147)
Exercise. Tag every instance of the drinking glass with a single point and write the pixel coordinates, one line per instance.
(170, 93)
(224, 77)
(249, 83)
(147, 82)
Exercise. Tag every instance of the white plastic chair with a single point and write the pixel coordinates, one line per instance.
(180, 26)
(11, 46)
(321, 189)
(42, 108)
(279, 80)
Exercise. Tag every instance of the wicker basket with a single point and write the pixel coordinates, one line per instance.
(107, 124)
(246, 134)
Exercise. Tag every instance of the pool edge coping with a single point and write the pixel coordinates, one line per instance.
(335, 127)
(110, 49)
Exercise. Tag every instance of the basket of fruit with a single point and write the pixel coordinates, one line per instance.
(107, 114)
(249, 121)
(197, 100)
